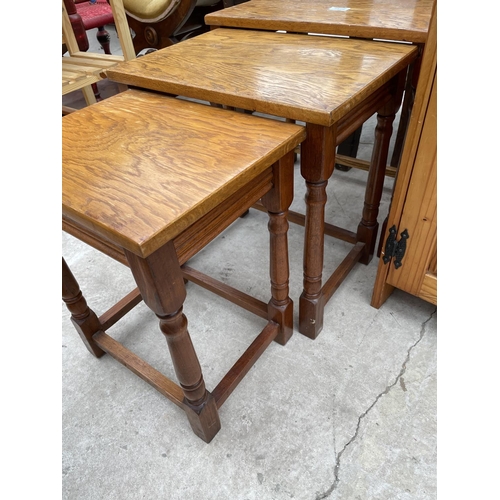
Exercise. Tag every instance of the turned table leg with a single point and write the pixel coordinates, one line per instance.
(83, 318)
(161, 284)
(317, 163)
(406, 107)
(368, 227)
(277, 202)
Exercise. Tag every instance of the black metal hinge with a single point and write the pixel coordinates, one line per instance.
(395, 249)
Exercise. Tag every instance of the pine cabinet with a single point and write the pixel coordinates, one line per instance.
(408, 258)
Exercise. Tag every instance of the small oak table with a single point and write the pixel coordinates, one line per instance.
(331, 84)
(148, 180)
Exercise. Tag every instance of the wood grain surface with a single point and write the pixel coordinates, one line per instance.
(315, 79)
(406, 20)
(139, 168)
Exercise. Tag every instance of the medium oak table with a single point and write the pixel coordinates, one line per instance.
(395, 20)
(331, 84)
(133, 190)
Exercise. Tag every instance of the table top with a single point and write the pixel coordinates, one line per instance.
(139, 168)
(315, 79)
(405, 20)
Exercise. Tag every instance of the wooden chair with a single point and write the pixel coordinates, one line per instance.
(87, 15)
(81, 69)
(160, 24)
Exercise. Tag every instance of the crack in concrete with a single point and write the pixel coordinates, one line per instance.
(336, 480)
(394, 318)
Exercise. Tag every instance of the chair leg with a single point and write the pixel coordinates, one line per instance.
(89, 94)
(96, 91)
(103, 38)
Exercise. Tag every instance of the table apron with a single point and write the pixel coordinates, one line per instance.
(205, 229)
(358, 115)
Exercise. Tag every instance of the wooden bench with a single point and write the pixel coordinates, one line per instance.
(158, 186)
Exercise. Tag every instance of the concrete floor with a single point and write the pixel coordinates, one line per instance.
(348, 416)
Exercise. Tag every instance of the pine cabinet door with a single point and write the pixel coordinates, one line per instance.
(413, 211)
(418, 272)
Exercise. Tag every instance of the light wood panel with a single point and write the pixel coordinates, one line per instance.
(406, 20)
(80, 70)
(417, 274)
(414, 203)
(301, 77)
(160, 164)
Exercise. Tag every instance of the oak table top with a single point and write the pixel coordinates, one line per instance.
(314, 79)
(404, 20)
(141, 189)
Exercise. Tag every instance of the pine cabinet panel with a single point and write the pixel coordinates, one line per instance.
(414, 203)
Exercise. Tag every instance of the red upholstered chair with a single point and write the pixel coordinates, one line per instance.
(87, 15)
(82, 69)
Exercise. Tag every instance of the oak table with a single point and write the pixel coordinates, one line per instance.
(331, 84)
(403, 20)
(395, 20)
(151, 201)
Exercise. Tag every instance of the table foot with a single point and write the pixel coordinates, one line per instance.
(204, 419)
(311, 312)
(367, 235)
(83, 318)
(283, 315)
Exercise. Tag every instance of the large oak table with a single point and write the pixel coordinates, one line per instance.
(331, 84)
(404, 20)
(395, 20)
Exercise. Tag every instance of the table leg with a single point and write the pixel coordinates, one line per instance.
(317, 163)
(161, 284)
(277, 201)
(368, 227)
(407, 106)
(83, 318)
